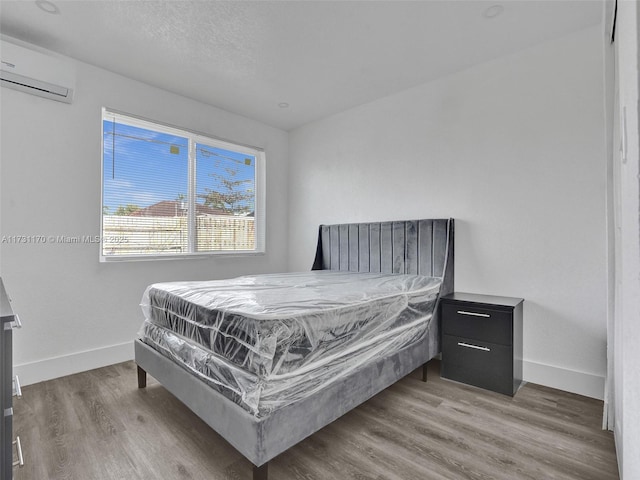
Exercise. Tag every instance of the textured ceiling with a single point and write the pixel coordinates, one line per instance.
(320, 57)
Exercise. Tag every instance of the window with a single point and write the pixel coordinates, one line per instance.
(168, 192)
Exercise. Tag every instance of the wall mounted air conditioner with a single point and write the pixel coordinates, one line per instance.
(36, 73)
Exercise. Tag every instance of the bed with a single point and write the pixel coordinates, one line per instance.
(253, 356)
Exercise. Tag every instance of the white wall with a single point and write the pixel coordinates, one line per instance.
(514, 150)
(78, 313)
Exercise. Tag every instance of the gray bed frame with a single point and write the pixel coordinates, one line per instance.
(416, 247)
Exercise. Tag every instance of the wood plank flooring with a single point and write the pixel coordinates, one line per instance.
(98, 425)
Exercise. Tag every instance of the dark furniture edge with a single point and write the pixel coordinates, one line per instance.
(481, 299)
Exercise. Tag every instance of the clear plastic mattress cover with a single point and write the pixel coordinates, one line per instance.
(265, 341)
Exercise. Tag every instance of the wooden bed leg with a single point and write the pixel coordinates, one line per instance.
(142, 378)
(424, 372)
(261, 472)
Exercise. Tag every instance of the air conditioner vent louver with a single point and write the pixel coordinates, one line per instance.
(36, 73)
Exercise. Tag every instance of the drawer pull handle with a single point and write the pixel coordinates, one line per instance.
(468, 345)
(474, 314)
(20, 461)
(17, 391)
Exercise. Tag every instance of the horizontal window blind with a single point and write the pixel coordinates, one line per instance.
(169, 192)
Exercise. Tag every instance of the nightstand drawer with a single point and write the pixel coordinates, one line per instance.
(471, 321)
(478, 363)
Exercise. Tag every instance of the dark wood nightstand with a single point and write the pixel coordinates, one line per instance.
(482, 341)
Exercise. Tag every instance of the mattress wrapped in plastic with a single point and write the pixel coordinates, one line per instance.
(266, 341)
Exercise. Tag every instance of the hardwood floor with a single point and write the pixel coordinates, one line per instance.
(98, 425)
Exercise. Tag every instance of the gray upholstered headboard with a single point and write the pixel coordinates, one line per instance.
(421, 247)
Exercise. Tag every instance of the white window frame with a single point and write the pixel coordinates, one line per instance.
(193, 138)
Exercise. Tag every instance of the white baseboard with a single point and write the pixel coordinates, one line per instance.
(582, 383)
(56, 367)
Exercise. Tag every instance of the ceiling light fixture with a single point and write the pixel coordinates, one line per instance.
(283, 105)
(493, 11)
(47, 6)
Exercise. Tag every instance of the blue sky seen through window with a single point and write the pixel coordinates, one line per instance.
(143, 167)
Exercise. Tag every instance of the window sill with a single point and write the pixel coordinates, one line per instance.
(182, 256)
